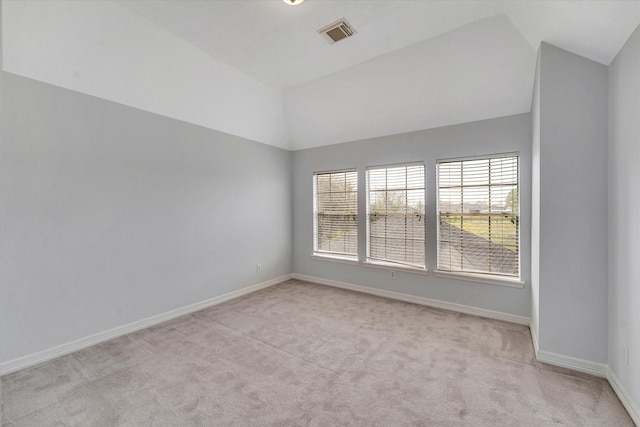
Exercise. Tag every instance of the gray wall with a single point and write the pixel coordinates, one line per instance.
(624, 211)
(507, 134)
(535, 202)
(572, 205)
(111, 215)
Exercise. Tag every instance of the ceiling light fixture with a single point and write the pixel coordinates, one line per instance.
(293, 2)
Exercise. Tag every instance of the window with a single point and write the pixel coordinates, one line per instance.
(335, 212)
(395, 215)
(478, 209)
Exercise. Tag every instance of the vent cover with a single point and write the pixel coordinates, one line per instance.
(337, 31)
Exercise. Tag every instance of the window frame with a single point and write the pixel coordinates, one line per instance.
(328, 255)
(477, 276)
(390, 264)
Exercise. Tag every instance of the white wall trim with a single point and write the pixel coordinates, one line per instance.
(580, 365)
(344, 260)
(496, 315)
(395, 267)
(598, 369)
(534, 337)
(627, 402)
(593, 368)
(63, 349)
(482, 278)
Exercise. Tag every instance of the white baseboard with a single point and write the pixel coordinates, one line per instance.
(481, 312)
(598, 369)
(534, 337)
(593, 368)
(627, 402)
(580, 365)
(573, 363)
(70, 347)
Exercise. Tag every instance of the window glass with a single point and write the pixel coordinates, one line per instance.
(336, 213)
(396, 215)
(478, 210)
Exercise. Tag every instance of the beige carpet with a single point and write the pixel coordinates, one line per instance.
(300, 354)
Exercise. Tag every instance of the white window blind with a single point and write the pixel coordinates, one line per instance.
(478, 208)
(335, 206)
(395, 217)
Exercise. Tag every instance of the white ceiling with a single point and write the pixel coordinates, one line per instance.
(258, 68)
(428, 84)
(412, 64)
(278, 44)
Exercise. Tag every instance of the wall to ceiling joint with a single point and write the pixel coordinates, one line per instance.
(130, 155)
(101, 49)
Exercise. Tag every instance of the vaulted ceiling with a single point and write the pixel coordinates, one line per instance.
(278, 44)
(411, 65)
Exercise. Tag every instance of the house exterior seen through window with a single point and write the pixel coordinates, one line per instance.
(478, 216)
(396, 215)
(335, 214)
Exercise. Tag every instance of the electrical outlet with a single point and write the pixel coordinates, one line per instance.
(393, 274)
(258, 268)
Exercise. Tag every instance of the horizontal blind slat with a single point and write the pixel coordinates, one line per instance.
(478, 215)
(395, 223)
(336, 213)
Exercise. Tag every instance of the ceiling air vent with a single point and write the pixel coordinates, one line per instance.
(337, 31)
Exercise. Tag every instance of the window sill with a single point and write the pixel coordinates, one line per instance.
(335, 258)
(482, 278)
(395, 267)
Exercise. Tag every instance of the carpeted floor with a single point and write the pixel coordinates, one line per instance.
(300, 354)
